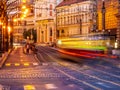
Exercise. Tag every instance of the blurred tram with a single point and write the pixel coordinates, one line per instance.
(94, 43)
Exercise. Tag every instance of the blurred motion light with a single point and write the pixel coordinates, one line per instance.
(59, 42)
(116, 45)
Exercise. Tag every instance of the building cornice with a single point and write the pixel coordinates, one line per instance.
(69, 2)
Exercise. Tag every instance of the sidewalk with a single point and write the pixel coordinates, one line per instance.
(15, 55)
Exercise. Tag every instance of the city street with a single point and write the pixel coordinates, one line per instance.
(59, 44)
(50, 69)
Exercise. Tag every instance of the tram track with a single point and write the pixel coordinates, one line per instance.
(86, 75)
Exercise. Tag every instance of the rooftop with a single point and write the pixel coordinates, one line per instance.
(68, 2)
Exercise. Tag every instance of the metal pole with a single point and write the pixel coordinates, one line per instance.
(0, 38)
(11, 34)
(103, 15)
(6, 43)
(80, 25)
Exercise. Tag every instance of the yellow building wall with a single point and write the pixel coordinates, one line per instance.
(110, 14)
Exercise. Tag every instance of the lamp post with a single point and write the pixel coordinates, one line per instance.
(0, 37)
(6, 32)
(11, 33)
(103, 15)
(80, 25)
(79, 20)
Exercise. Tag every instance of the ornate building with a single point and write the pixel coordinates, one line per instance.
(111, 9)
(118, 27)
(75, 17)
(21, 21)
(45, 20)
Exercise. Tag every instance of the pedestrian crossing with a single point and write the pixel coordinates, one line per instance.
(47, 86)
(21, 64)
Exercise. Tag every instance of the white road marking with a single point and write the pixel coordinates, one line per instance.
(35, 64)
(50, 86)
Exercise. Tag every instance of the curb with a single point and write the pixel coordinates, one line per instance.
(4, 58)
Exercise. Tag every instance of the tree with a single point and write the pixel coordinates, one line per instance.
(8, 10)
(6, 6)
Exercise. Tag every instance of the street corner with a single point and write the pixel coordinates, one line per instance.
(3, 59)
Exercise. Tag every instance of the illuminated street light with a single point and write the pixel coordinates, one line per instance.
(4, 27)
(23, 7)
(26, 11)
(14, 20)
(24, 1)
(9, 29)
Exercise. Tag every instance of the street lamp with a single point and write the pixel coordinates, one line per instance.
(0, 38)
(103, 15)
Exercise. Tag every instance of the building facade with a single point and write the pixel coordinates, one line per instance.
(21, 21)
(45, 20)
(118, 27)
(75, 17)
(111, 9)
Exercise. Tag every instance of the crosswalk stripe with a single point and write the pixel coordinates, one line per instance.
(29, 87)
(50, 86)
(17, 64)
(8, 64)
(35, 64)
(26, 64)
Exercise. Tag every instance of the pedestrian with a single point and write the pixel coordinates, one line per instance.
(27, 47)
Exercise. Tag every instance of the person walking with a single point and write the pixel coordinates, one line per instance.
(27, 48)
